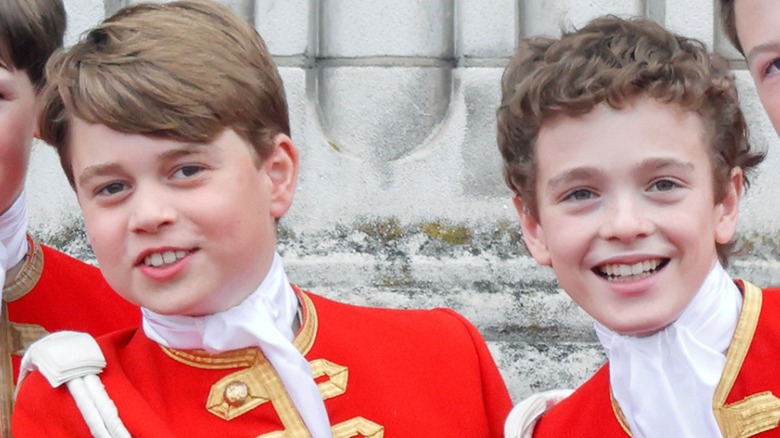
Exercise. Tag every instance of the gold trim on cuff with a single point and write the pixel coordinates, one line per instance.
(29, 275)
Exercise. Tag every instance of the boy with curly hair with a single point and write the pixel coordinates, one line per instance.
(627, 153)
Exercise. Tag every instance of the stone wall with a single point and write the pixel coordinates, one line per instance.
(401, 201)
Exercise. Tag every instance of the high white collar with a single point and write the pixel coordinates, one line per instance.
(13, 236)
(665, 383)
(264, 320)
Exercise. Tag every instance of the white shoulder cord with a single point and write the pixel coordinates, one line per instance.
(523, 418)
(75, 359)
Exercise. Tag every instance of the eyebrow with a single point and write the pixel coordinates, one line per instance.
(183, 150)
(667, 163)
(570, 175)
(585, 172)
(112, 168)
(97, 170)
(772, 46)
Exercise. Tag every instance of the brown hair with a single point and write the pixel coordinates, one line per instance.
(613, 61)
(185, 71)
(30, 30)
(729, 20)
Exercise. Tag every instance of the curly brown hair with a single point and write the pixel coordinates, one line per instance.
(185, 70)
(614, 60)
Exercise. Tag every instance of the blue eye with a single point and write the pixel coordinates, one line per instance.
(663, 185)
(187, 171)
(772, 68)
(110, 189)
(580, 195)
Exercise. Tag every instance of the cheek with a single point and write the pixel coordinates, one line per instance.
(103, 234)
(770, 99)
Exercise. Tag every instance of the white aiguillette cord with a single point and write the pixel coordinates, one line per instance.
(264, 320)
(13, 236)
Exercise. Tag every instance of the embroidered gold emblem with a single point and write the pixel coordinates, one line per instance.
(337, 377)
(236, 393)
(751, 415)
(358, 426)
(242, 391)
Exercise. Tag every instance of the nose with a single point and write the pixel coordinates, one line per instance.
(626, 220)
(151, 210)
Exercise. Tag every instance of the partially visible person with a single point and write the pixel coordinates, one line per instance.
(627, 153)
(172, 126)
(751, 25)
(43, 289)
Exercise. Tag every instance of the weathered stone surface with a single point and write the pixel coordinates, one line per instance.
(401, 201)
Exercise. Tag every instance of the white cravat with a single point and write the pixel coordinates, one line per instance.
(665, 383)
(13, 236)
(264, 319)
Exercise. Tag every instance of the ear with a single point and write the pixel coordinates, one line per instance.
(727, 210)
(282, 169)
(533, 234)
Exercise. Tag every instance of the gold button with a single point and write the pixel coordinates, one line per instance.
(236, 393)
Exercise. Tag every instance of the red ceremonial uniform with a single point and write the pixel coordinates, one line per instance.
(746, 401)
(382, 372)
(52, 292)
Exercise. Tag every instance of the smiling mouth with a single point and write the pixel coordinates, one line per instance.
(164, 258)
(625, 272)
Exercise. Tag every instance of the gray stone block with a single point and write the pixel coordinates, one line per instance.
(487, 28)
(547, 17)
(359, 28)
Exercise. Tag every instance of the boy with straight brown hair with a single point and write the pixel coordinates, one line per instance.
(42, 289)
(171, 123)
(627, 153)
(751, 25)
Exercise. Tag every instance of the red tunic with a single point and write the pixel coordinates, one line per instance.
(746, 401)
(54, 291)
(382, 372)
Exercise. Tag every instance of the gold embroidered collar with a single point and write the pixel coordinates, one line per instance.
(245, 357)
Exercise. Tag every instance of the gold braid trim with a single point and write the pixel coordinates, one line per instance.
(755, 413)
(28, 276)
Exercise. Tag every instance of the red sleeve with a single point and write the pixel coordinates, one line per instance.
(495, 396)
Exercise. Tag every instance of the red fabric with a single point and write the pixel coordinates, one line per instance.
(71, 295)
(589, 412)
(761, 367)
(415, 372)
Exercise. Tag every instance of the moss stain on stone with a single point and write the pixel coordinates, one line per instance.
(385, 230)
(448, 233)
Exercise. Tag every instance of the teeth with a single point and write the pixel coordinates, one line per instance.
(623, 271)
(158, 259)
